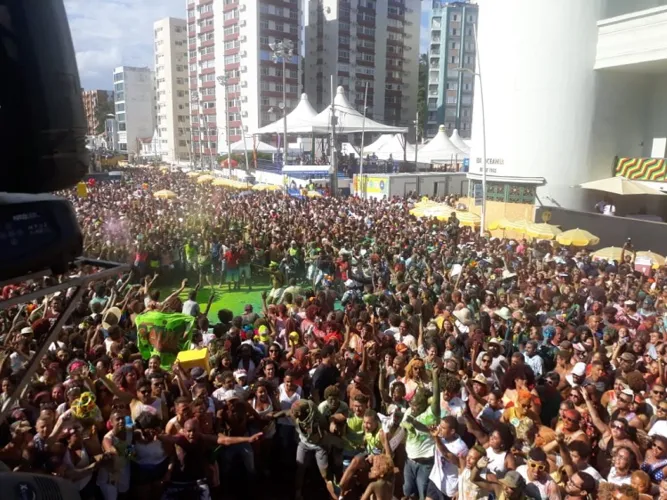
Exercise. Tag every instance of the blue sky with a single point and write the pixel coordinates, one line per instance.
(110, 33)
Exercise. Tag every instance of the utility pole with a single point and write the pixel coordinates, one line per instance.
(222, 80)
(283, 50)
(334, 152)
(416, 135)
(361, 153)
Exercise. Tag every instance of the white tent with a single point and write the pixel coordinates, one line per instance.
(459, 143)
(377, 144)
(299, 117)
(394, 147)
(349, 120)
(440, 149)
(250, 145)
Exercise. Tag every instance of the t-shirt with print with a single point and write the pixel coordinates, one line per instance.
(419, 444)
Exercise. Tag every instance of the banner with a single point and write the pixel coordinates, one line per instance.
(164, 334)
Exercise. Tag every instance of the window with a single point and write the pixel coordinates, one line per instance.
(120, 96)
(202, 9)
(455, 59)
(191, 13)
(123, 146)
(230, 30)
(344, 54)
(122, 127)
(280, 27)
(454, 32)
(120, 117)
(451, 100)
(182, 143)
(119, 87)
(120, 106)
(209, 105)
(279, 87)
(455, 17)
(234, 58)
(230, 14)
(263, 40)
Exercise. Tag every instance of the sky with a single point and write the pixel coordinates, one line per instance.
(111, 33)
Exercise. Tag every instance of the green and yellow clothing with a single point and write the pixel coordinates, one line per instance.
(354, 434)
(373, 442)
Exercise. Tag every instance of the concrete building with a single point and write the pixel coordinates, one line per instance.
(230, 38)
(452, 46)
(93, 101)
(360, 41)
(582, 83)
(171, 89)
(134, 94)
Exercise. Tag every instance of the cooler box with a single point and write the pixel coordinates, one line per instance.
(193, 359)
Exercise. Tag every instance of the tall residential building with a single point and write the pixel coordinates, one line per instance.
(94, 103)
(575, 92)
(452, 46)
(365, 41)
(134, 94)
(231, 38)
(171, 88)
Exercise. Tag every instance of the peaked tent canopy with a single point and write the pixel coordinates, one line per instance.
(394, 147)
(379, 142)
(440, 148)
(459, 143)
(349, 119)
(251, 145)
(299, 117)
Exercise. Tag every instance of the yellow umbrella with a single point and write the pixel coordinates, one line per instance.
(608, 254)
(314, 194)
(468, 218)
(165, 194)
(193, 174)
(499, 224)
(266, 187)
(438, 210)
(542, 231)
(221, 182)
(518, 225)
(205, 178)
(578, 238)
(656, 259)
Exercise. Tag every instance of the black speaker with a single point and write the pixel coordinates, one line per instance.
(42, 123)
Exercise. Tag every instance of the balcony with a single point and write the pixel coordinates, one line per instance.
(634, 42)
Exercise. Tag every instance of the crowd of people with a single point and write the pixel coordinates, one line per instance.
(393, 357)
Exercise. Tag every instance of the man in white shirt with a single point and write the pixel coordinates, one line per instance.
(191, 306)
(535, 362)
(450, 453)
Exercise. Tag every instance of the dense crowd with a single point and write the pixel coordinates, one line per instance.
(393, 357)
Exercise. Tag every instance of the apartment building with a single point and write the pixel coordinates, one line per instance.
(360, 42)
(452, 47)
(134, 99)
(171, 89)
(94, 102)
(232, 39)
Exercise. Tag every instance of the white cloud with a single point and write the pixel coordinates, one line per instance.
(109, 33)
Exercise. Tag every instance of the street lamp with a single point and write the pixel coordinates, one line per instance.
(283, 50)
(478, 74)
(223, 80)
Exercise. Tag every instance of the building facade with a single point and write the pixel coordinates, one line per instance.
(134, 93)
(232, 39)
(586, 83)
(364, 43)
(452, 47)
(171, 89)
(94, 102)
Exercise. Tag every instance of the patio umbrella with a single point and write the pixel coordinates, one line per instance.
(266, 187)
(502, 223)
(430, 209)
(194, 174)
(164, 194)
(620, 185)
(205, 178)
(314, 194)
(578, 238)
(468, 218)
(656, 259)
(542, 231)
(608, 254)
(221, 182)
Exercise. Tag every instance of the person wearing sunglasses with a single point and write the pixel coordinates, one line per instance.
(623, 463)
(655, 461)
(535, 472)
(656, 395)
(580, 485)
(658, 424)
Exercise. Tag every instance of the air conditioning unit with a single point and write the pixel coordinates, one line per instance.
(244, 85)
(244, 38)
(244, 114)
(244, 98)
(242, 8)
(244, 54)
(244, 69)
(242, 24)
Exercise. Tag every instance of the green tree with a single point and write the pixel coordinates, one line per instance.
(104, 108)
(421, 94)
